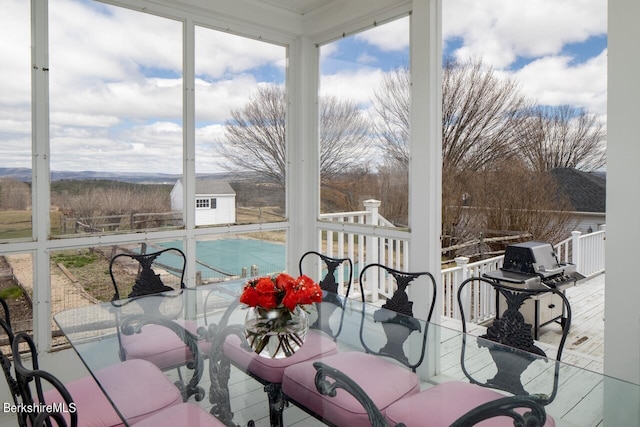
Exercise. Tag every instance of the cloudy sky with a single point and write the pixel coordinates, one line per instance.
(116, 100)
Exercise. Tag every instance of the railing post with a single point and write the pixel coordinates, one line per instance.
(575, 249)
(372, 250)
(461, 276)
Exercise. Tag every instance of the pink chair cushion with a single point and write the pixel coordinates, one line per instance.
(137, 387)
(185, 414)
(316, 344)
(442, 404)
(161, 346)
(385, 382)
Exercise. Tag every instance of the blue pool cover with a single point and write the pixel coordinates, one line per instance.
(224, 258)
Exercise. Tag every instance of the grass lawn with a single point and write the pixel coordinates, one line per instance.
(17, 224)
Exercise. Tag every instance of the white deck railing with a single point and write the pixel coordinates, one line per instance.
(585, 251)
(366, 237)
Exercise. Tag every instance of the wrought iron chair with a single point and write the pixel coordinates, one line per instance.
(158, 278)
(331, 267)
(12, 385)
(502, 398)
(515, 352)
(32, 397)
(319, 342)
(129, 380)
(91, 406)
(390, 364)
(328, 380)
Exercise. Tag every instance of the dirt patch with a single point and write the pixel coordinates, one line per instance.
(20, 307)
(70, 287)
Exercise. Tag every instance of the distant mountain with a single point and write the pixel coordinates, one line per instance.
(24, 175)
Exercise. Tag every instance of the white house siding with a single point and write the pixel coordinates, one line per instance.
(588, 222)
(223, 213)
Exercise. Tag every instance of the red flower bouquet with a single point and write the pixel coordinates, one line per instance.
(277, 312)
(281, 290)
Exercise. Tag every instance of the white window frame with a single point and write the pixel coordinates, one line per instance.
(203, 203)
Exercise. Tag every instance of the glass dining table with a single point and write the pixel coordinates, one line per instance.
(575, 393)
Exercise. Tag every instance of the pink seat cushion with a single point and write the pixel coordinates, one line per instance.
(316, 344)
(161, 346)
(137, 387)
(441, 405)
(384, 382)
(185, 414)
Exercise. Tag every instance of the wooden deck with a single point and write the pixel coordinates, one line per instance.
(585, 342)
(586, 337)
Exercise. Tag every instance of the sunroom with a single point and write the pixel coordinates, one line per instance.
(147, 91)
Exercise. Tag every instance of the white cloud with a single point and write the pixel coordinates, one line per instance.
(357, 86)
(328, 50)
(155, 147)
(15, 65)
(367, 59)
(501, 30)
(391, 36)
(219, 54)
(109, 43)
(133, 99)
(69, 121)
(555, 80)
(207, 137)
(214, 101)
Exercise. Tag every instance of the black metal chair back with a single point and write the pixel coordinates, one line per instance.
(147, 292)
(396, 314)
(516, 349)
(30, 384)
(142, 278)
(147, 280)
(329, 285)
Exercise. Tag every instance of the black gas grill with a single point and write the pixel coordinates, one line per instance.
(534, 266)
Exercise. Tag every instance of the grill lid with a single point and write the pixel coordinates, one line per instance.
(534, 265)
(537, 258)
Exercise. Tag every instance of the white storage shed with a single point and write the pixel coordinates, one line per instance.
(215, 201)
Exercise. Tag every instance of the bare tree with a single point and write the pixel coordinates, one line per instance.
(92, 204)
(14, 195)
(485, 185)
(563, 137)
(391, 104)
(344, 133)
(481, 115)
(514, 198)
(481, 122)
(255, 136)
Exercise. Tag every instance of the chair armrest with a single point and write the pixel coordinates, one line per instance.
(133, 324)
(506, 406)
(340, 380)
(30, 384)
(48, 419)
